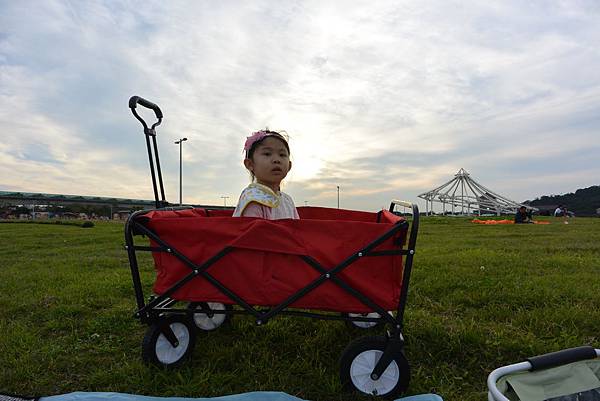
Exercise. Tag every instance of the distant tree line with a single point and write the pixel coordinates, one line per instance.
(583, 202)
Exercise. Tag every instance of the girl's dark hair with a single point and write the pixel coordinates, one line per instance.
(271, 134)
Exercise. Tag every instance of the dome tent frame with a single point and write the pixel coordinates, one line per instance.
(465, 196)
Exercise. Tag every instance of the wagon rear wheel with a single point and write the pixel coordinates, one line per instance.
(169, 341)
(362, 325)
(360, 358)
(204, 319)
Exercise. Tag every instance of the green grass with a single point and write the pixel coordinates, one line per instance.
(480, 297)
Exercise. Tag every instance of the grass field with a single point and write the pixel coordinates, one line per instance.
(480, 297)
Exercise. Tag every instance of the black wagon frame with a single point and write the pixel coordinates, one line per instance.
(153, 311)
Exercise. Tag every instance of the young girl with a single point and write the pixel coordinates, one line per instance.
(268, 160)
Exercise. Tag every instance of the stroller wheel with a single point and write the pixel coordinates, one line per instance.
(362, 325)
(169, 341)
(207, 321)
(360, 358)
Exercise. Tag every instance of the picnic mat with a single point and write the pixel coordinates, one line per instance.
(252, 396)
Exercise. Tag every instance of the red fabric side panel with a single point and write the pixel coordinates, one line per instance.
(330, 243)
(174, 213)
(323, 213)
(220, 213)
(273, 236)
(265, 267)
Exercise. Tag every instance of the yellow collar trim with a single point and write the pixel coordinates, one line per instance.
(260, 194)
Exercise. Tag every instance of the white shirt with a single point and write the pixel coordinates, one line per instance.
(258, 200)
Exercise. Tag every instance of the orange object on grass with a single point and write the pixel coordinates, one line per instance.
(493, 222)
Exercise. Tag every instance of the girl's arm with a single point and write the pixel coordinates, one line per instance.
(257, 210)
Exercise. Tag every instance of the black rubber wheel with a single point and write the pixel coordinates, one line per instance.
(207, 321)
(358, 361)
(158, 350)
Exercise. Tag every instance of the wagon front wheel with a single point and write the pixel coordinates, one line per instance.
(169, 341)
(205, 319)
(359, 360)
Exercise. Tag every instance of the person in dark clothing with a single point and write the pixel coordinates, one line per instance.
(522, 216)
(559, 211)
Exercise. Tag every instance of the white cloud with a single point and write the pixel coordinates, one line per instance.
(380, 98)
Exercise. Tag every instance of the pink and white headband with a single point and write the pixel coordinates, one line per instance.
(258, 136)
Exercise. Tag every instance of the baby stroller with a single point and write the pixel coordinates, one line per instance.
(345, 264)
(568, 375)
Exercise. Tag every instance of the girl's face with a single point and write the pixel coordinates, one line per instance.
(270, 162)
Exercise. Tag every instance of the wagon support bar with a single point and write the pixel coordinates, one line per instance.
(196, 270)
(263, 317)
(412, 242)
(133, 264)
(331, 275)
(143, 308)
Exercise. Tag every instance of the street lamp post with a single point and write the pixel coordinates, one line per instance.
(338, 195)
(225, 200)
(179, 142)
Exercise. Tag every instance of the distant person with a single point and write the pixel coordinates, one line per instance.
(565, 215)
(522, 216)
(559, 211)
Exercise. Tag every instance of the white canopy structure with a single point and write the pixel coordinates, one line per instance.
(464, 196)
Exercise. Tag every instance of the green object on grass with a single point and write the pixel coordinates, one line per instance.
(552, 383)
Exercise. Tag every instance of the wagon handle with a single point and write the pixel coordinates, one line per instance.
(151, 146)
(400, 203)
(134, 100)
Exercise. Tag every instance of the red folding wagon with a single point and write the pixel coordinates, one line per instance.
(330, 264)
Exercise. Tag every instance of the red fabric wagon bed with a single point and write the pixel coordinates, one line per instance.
(265, 266)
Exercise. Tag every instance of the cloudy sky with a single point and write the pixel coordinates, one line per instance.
(386, 99)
